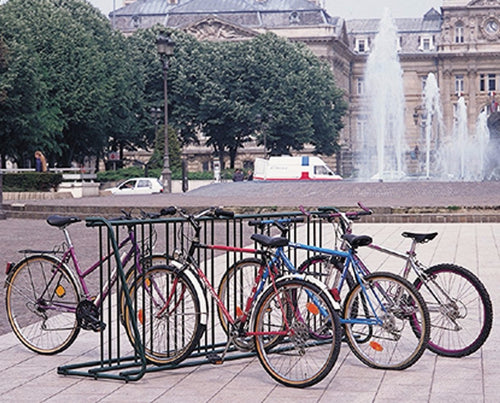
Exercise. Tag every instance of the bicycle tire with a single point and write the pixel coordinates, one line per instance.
(394, 344)
(41, 300)
(320, 266)
(168, 333)
(299, 359)
(460, 326)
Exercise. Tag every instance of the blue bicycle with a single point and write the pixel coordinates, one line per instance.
(385, 319)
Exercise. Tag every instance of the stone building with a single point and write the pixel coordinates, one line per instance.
(459, 44)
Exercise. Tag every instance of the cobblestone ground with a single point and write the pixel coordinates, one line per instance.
(18, 234)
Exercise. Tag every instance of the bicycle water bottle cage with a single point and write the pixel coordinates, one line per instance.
(357, 240)
(273, 242)
(420, 238)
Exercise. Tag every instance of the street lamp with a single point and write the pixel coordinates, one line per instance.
(165, 46)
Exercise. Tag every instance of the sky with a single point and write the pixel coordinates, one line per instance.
(348, 9)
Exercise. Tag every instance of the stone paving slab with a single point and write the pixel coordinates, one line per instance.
(27, 377)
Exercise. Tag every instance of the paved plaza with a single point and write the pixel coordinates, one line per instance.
(25, 376)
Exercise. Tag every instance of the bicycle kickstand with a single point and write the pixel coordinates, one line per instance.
(218, 359)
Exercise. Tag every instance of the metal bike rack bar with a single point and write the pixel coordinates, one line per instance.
(117, 359)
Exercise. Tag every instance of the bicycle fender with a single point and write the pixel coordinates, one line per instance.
(49, 257)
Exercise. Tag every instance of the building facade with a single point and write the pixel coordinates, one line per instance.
(459, 44)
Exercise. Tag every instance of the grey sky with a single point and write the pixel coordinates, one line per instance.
(347, 9)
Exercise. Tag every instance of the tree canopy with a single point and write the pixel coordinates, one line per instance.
(72, 87)
(68, 84)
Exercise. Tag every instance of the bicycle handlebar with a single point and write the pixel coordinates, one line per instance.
(334, 212)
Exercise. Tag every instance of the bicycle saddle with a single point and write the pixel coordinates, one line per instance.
(273, 242)
(60, 221)
(420, 238)
(357, 240)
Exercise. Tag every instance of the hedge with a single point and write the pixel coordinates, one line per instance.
(31, 181)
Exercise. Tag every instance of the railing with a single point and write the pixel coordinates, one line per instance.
(117, 358)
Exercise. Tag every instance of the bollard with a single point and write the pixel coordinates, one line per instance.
(185, 182)
(2, 212)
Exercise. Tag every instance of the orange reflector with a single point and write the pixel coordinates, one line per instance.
(140, 316)
(376, 346)
(239, 312)
(60, 291)
(312, 308)
(148, 282)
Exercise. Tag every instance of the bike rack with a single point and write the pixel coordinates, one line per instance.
(117, 358)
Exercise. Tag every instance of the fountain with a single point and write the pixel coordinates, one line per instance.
(433, 114)
(449, 155)
(463, 156)
(386, 103)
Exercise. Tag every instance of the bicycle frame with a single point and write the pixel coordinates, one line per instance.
(69, 254)
(359, 269)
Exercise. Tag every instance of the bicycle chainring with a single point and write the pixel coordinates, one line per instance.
(87, 315)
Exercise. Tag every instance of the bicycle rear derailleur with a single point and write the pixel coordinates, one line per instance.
(87, 316)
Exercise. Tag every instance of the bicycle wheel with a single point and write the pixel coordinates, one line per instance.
(132, 273)
(379, 325)
(234, 289)
(41, 300)
(460, 309)
(297, 311)
(167, 315)
(321, 267)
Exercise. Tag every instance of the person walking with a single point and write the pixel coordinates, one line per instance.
(40, 162)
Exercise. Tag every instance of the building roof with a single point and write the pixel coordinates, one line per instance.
(430, 23)
(155, 7)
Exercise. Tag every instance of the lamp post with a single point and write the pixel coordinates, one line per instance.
(165, 46)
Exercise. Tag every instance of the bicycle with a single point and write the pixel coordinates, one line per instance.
(459, 305)
(284, 321)
(47, 297)
(386, 322)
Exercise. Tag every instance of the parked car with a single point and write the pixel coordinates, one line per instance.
(138, 186)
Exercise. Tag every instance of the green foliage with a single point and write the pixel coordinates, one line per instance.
(72, 87)
(268, 88)
(69, 85)
(31, 181)
(174, 148)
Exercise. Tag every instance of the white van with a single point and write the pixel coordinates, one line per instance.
(293, 168)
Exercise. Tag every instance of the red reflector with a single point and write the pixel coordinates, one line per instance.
(9, 266)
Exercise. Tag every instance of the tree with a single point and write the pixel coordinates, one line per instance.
(229, 90)
(69, 84)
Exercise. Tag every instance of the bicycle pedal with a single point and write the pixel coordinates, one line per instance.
(98, 326)
(214, 359)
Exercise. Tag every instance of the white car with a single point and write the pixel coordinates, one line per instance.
(138, 186)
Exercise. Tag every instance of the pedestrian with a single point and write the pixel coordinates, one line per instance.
(250, 175)
(40, 162)
(238, 175)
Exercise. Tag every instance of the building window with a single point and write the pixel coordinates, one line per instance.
(426, 43)
(459, 84)
(482, 83)
(362, 45)
(424, 83)
(361, 86)
(459, 32)
(361, 125)
(492, 82)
